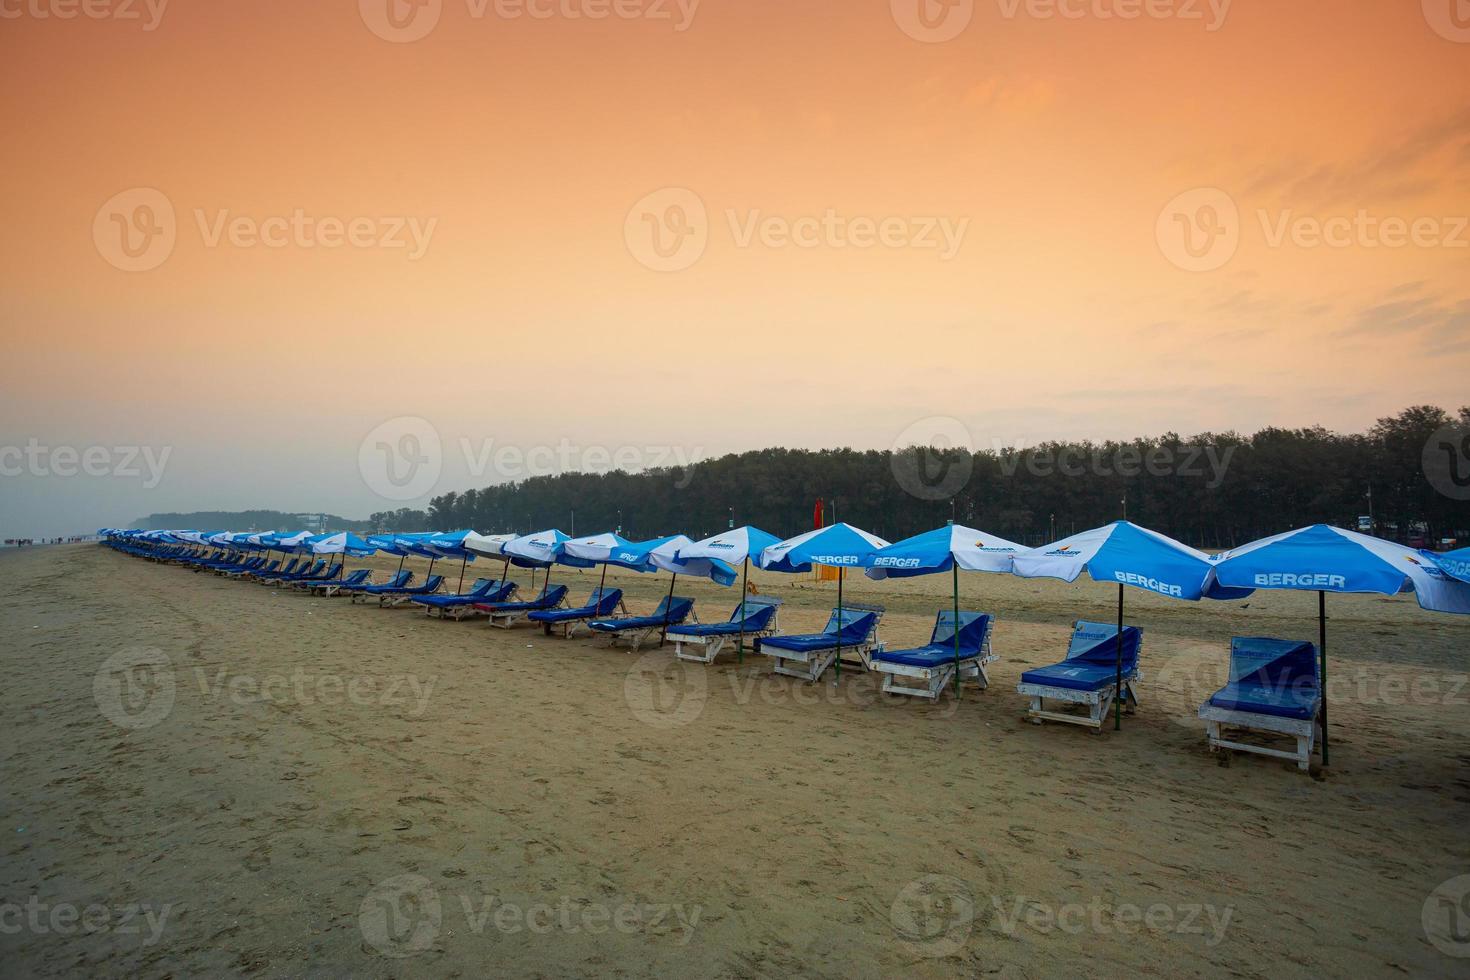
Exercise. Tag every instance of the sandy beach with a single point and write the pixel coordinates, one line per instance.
(300, 786)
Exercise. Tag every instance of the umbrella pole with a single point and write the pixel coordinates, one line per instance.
(668, 607)
(955, 567)
(744, 588)
(1322, 669)
(837, 664)
(505, 575)
(463, 562)
(403, 558)
(1118, 673)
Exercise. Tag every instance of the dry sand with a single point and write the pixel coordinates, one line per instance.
(527, 809)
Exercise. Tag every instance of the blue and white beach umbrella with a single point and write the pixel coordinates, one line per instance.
(945, 549)
(1455, 564)
(542, 550)
(1324, 559)
(840, 546)
(1127, 554)
(737, 546)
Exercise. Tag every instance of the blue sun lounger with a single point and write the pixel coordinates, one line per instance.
(458, 606)
(505, 614)
(708, 639)
(1275, 688)
(601, 603)
(398, 581)
(266, 569)
(304, 571)
(807, 656)
(927, 670)
(330, 588)
(1087, 677)
(387, 597)
(636, 629)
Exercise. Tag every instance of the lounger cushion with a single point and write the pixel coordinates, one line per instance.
(933, 655)
(858, 630)
(492, 592)
(1077, 677)
(676, 613)
(1091, 665)
(1271, 677)
(544, 601)
(757, 618)
(588, 610)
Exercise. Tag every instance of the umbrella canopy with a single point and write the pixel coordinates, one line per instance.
(293, 541)
(596, 547)
(836, 545)
(732, 547)
(1129, 555)
(1455, 564)
(542, 549)
(1323, 558)
(944, 549)
(343, 542)
(491, 545)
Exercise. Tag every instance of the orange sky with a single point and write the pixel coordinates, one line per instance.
(532, 315)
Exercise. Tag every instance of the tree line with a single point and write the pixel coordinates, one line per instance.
(1410, 472)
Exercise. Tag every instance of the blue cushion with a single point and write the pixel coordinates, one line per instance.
(933, 655)
(1075, 676)
(1291, 702)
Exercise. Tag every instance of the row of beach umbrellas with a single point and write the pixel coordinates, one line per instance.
(1321, 559)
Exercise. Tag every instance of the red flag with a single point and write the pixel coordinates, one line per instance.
(817, 524)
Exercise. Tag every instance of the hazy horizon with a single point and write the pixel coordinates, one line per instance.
(260, 241)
